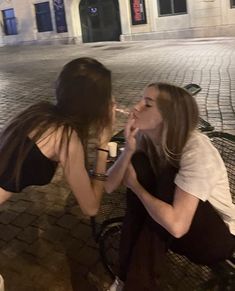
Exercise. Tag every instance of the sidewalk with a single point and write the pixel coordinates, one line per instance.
(45, 241)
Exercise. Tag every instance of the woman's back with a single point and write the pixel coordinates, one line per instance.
(37, 169)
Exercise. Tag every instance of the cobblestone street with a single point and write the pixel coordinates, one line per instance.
(46, 242)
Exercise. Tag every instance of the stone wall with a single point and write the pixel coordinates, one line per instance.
(204, 18)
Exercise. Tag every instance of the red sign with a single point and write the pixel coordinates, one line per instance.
(138, 13)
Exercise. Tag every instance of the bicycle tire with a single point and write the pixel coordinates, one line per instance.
(109, 242)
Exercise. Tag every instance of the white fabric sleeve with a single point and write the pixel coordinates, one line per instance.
(199, 167)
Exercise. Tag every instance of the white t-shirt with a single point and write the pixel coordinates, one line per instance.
(203, 174)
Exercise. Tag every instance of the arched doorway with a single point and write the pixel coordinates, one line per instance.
(100, 20)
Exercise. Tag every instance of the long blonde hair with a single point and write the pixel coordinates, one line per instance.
(180, 116)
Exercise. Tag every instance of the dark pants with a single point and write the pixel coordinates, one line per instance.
(144, 242)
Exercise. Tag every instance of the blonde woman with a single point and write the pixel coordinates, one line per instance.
(177, 190)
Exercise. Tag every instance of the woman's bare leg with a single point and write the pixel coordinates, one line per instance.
(4, 195)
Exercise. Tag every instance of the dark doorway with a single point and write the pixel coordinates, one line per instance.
(100, 20)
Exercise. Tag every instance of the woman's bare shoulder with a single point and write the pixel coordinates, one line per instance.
(67, 142)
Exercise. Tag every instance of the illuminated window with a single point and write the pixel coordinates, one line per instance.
(172, 7)
(43, 16)
(9, 22)
(232, 3)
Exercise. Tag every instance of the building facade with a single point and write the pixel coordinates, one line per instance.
(71, 21)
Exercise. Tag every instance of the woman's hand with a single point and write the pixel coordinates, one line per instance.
(130, 178)
(130, 134)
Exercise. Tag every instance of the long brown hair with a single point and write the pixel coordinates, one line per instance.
(83, 94)
(180, 116)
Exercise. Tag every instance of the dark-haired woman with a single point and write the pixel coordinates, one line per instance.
(45, 134)
(178, 193)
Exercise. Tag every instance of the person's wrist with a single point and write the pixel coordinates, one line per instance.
(129, 151)
(137, 189)
(102, 155)
(102, 149)
(103, 144)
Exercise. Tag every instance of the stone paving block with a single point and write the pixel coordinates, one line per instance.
(8, 232)
(229, 122)
(23, 220)
(55, 233)
(229, 128)
(228, 115)
(67, 221)
(76, 210)
(55, 210)
(216, 124)
(44, 221)
(23, 196)
(55, 262)
(20, 206)
(2, 244)
(14, 248)
(8, 216)
(82, 231)
(91, 243)
(86, 256)
(35, 195)
(6, 206)
(15, 197)
(215, 116)
(37, 208)
(40, 248)
(45, 280)
(68, 245)
(82, 283)
(29, 234)
(225, 108)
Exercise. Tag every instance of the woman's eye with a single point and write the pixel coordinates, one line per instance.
(147, 105)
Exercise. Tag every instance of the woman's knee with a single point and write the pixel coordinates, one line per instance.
(4, 196)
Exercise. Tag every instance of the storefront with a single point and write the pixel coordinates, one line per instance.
(74, 21)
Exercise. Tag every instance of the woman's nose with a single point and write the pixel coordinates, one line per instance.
(138, 106)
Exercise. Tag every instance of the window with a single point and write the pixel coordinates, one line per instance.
(60, 19)
(43, 16)
(232, 3)
(171, 7)
(9, 22)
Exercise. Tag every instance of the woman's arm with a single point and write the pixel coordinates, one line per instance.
(88, 192)
(117, 171)
(175, 218)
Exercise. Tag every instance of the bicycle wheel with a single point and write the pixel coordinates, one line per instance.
(109, 242)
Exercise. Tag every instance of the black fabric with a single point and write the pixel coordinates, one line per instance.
(136, 214)
(37, 169)
(144, 242)
(208, 240)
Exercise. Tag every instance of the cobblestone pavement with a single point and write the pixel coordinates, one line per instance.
(45, 241)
